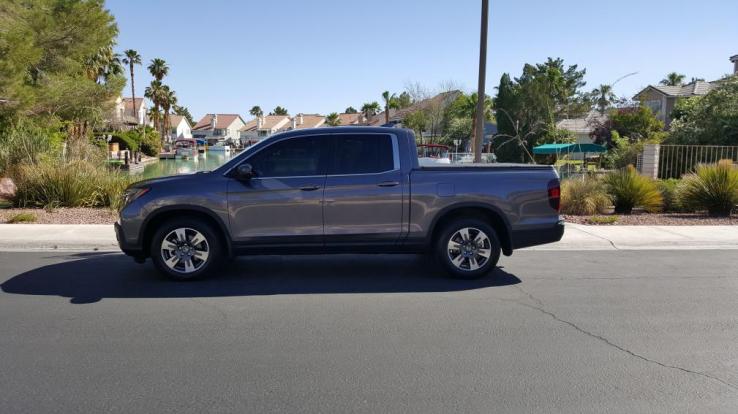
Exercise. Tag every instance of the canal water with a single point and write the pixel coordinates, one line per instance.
(203, 162)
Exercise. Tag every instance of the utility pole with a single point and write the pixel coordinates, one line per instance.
(479, 133)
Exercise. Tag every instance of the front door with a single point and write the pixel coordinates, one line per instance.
(363, 190)
(283, 202)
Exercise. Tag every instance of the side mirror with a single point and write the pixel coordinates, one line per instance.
(244, 172)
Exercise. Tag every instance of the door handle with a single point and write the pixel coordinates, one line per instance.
(310, 188)
(389, 184)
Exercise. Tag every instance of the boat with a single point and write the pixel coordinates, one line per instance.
(433, 154)
(220, 146)
(185, 148)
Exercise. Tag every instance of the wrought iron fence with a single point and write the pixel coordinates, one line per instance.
(677, 160)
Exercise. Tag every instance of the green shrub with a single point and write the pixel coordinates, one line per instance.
(135, 140)
(628, 189)
(22, 218)
(711, 187)
(668, 190)
(603, 219)
(583, 196)
(26, 143)
(71, 184)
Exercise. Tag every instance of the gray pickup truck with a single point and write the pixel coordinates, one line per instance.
(340, 190)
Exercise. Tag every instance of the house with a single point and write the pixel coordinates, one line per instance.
(180, 127)
(267, 125)
(396, 116)
(216, 127)
(584, 127)
(123, 116)
(662, 98)
(352, 119)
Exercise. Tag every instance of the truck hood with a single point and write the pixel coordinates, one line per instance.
(168, 180)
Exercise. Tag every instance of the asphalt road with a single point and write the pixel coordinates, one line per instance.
(568, 332)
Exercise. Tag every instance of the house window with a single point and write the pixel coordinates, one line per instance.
(655, 105)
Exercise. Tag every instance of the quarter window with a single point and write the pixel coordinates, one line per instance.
(362, 154)
(289, 158)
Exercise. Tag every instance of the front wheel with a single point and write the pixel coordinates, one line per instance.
(185, 249)
(468, 248)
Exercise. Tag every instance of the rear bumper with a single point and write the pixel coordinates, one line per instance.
(538, 235)
(125, 247)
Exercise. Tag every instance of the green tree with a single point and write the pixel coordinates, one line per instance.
(404, 100)
(183, 111)
(279, 111)
(603, 98)
(155, 92)
(256, 111)
(416, 121)
(158, 69)
(673, 79)
(390, 102)
(168, 99)
(131, 58)
(708, 120)
(350, 110)
(370, 108)
(332, 119)
(637, 123)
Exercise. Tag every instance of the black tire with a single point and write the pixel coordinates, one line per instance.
(472, 263)
(197, 268)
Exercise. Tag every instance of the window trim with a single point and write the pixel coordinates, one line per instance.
(395, 154)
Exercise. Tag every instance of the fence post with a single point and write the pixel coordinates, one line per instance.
(650, 163)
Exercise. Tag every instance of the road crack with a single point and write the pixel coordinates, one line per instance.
(540, 308)
(599, 237)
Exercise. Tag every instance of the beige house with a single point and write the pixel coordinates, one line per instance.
(180, 127)
(267, 125)
(123, 116)
(662, 99)
(217, 127)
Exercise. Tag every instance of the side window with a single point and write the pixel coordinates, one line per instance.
(290, 158)
(362, 154)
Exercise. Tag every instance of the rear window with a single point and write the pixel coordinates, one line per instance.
(362, 154)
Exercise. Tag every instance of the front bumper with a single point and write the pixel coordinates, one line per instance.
(125, 247)
(538, 235)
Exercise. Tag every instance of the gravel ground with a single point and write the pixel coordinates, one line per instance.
(645, 219)
(64, 215)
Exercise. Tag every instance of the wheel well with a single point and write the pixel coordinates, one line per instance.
(153, 224)
(488, 216)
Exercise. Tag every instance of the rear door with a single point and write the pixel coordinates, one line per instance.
(363, 190)
(283, 203)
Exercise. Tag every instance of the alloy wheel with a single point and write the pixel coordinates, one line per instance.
(469, 249)
(185, 250)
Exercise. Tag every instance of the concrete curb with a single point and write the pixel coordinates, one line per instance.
(101, 237)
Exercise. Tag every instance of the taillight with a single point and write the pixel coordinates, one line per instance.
(554, 195)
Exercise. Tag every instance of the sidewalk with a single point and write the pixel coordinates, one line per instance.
(101, 237)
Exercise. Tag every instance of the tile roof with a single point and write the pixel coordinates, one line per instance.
(310, 121)
(349, 119)
(174, 120)
(444, 99)
(223, 121)
(697, 88)
(275, 121)
(582, 125)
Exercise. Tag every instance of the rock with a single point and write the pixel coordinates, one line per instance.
(7, 188)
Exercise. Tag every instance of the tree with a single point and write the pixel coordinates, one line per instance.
(279, 111)
(673, 79)
(256, 111)
(131, 58)
(708, 120)
(158, 69)
(155, 92)
(333, 119)
(350, 110)
(103, 65)
(404, 100)
(637, 123)
(168, 100)
(603, 97)
(390, 102)
(370, 108)
(416, 121)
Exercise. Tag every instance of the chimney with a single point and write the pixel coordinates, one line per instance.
(734, 59)
(300, 121)
(259, 121)
(294, 122)
(213, 121)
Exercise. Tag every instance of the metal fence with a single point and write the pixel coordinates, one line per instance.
(677, 160)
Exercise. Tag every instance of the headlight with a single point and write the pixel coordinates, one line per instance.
(133, 193)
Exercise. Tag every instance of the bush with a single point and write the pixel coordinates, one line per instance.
(135, 140)
(668, 190)
(583, 196)
(26, 143)
(75, 183)
(628, 189)
(22, 218)
(711, 187)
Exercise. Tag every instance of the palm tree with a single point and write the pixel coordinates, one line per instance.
(673, 79)
(132, 58)
(168, 100)
(333, 119)
(370, 109)
(103, 65)
(390, 102)
(158, 69)
(603, 97)
(155, 92)
(256, 111)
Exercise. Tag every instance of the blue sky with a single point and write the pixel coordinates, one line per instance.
(324, 55)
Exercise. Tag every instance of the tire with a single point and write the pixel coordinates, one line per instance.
(464, 259)
(186, 249)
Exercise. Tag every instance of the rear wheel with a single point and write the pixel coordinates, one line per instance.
(468, 248)
(185, 249)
